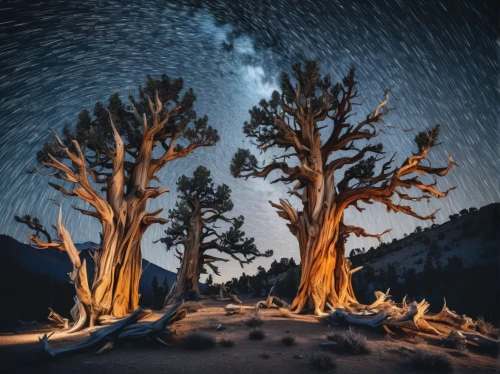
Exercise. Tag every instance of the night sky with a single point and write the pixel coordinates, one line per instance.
(440, 57)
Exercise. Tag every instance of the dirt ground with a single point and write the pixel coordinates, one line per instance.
(20, 350)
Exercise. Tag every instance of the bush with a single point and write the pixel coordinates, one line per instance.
(486, 328)
(322, 361)
(423, 359)
(192, 306)
(226, 342)
(197, 340)
(349, 342)
(159, 293)
(256, 334)
(288, 341)
(418, 340)
(456, 340)
(435, 250)
(254, 321)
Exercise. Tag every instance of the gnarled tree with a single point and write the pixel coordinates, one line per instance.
(334, 164)
(200, 208)
(110, 162)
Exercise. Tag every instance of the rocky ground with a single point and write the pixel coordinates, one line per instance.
(20, 351)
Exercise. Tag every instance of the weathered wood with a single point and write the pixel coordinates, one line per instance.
(412, 318)
(272, 302)
(94, 338)
(125, 328)
(232, 296)
(58, 320)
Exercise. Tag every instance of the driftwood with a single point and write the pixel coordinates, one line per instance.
(412, 317)
(233, 297)
(272, 302)
(235, 309)
(125, 328)
(58, 320)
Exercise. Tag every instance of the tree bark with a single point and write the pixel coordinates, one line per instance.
(189, 272)
(318, 283)
(115, 285)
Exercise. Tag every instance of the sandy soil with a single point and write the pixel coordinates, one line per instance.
(20, 351)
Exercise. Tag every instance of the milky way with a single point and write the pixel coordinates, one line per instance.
(440, 57)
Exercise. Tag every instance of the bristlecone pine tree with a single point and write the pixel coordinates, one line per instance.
(110, 161)
(334, 165)
(200, 208)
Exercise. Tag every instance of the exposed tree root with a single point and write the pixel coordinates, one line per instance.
(412, 318)
(125, 328)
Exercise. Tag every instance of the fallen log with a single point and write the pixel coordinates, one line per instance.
(125, 328)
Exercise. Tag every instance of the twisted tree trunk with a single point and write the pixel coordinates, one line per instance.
(326, 275)
(115, 284)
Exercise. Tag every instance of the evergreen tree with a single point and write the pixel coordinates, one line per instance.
(200, 207)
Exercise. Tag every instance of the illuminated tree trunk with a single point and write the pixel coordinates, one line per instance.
(326, 275)
(115, 285)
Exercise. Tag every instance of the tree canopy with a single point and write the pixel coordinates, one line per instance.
(201, 206)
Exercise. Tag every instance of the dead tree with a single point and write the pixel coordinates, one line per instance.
(311, 123)
(414, 318)
(121, 151)
(200, 208)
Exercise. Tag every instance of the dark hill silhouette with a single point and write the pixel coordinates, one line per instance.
(459, 260)
(33, 280)
(473, 237)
